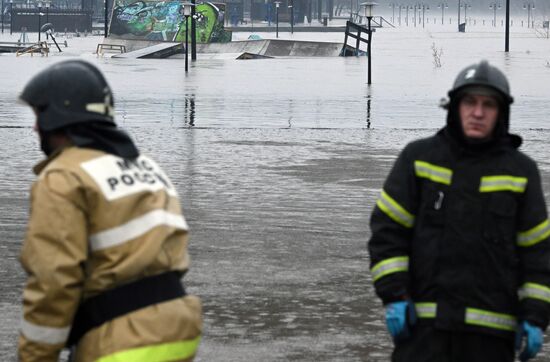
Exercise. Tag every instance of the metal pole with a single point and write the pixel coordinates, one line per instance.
(399, 14)
(11, 17)
(458, 15)
(186, 42)
(39, 20)
(291, 17)
(369, 18)
(277, 20)
(193, 32)
(507, 31)
(2, 16)
(415, 15)
(106, 18)
(407, 18)
(423, 12)
(47, 19)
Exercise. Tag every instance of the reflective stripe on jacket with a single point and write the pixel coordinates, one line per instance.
(467, 231)
(96, 222)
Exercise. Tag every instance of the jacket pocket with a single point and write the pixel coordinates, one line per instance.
(433, 204)
(500, 219)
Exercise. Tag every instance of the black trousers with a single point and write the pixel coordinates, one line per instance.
(430, 345)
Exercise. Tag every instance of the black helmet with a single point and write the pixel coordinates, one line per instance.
(482, 75)
(484, 79)
(69, 93)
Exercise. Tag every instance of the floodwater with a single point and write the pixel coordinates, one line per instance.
(278, 163)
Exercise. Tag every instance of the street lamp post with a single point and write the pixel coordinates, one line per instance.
(11, 17)
(277, 3)
(105, 17)
(392, 6)
(193, 31)
(291, 6)
(494, 6)
(39, 20)
(368, 14)
(47, 16)
(443, 6)
(400, 7)
(424, 8)
(466, 6)
(187, 13)
(268, 12)
(459, 15)
(507, 31)
(529, 6)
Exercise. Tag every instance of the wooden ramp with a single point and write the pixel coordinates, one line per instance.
(161, 50)
(36, 48)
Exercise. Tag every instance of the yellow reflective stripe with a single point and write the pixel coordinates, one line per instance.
(535, 291)
(488, 319)
(502, 183)
(534, 235)
(173, 351)
(390, 266)
(432, 172)
(395, 211)
(425, 310)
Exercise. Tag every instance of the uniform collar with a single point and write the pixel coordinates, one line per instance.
(40, 166)
(508, 141)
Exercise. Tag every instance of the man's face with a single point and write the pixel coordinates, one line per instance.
(478, 115)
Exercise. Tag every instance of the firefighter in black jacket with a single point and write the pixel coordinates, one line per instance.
(460, 251)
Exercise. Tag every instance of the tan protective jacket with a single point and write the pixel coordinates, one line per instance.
(97, 222)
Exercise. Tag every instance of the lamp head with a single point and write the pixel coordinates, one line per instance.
(369, 5)
(187, 9)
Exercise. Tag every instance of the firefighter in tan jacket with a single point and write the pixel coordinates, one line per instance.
(106, 245)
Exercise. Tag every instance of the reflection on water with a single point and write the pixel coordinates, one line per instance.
(368, 110)
(190, 110)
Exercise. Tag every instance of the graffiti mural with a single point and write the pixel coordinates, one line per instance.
(164, 21)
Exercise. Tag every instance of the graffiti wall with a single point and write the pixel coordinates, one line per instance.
(164, 21)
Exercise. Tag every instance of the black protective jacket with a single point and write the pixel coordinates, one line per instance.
(464, 232)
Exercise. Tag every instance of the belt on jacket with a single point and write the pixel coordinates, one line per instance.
(124, 299)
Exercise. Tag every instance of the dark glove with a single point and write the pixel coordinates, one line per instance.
(400, 317)
(531, 337)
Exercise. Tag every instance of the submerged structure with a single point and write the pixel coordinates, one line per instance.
(164, 21)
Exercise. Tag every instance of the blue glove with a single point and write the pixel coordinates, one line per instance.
(400, 317)
(531, 337)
